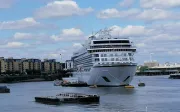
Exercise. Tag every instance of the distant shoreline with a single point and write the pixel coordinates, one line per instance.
(17, 79)
(31, 80)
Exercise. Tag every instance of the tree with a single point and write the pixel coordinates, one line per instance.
(143, 68)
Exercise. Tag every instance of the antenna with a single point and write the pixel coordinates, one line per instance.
(151, 56)
(92, 32)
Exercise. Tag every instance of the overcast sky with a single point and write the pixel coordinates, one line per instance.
(48, 28)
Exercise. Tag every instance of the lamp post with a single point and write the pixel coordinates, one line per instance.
(60, 61)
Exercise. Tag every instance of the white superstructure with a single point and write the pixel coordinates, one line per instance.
(105, 61)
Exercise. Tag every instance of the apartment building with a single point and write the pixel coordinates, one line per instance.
(2, 65)
(49, 65)
(31, 65)
(10, 65)
(58, 66)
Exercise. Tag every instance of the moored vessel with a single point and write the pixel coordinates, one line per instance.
(105, 60)
(174, 76)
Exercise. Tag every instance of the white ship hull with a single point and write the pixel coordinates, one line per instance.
(115, 75)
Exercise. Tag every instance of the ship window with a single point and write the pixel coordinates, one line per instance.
(130, 54)
(101, 55)
(106, 79)
(96, 55)
(112, 59)
(102, 59)
(116, 41)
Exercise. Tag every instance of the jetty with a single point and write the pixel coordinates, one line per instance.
(68, 98)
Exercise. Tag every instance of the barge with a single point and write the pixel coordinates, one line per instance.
(68, 98)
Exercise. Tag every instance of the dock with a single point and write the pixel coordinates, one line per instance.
(68, 98)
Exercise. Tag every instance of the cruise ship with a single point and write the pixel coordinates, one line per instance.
(105, 60)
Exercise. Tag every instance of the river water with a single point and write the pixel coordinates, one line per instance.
(159, 95)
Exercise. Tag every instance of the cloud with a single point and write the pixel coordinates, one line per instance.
(126, 3)
(22, 36)
(141, 45)
(171, 28)
(69, 35)
(53, 55)
(14, 45)
(26, 23)
(147, 15)
(30, 36)
(77, 45)
(58, 9)
(163, 37)
(72, 32)
(158, 14)
(159, 3)
(130, 31)
(6, 3)
(114, 13)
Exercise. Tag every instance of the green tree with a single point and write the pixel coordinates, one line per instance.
(143, 68)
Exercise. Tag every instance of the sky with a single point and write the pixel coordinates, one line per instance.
(47, 28)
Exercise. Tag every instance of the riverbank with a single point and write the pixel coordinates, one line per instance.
(29, 78)
(33, 80)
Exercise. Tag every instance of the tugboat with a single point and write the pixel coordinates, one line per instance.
(174, 76)
(141, 84)
(57, 82)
